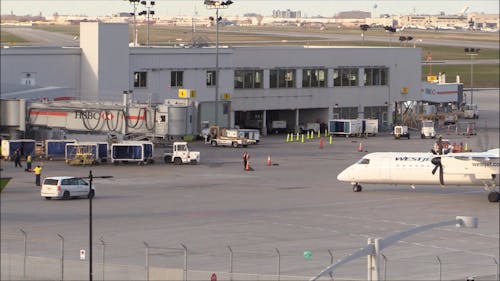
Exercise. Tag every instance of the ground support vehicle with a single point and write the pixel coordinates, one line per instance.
(309, 127)
(401, 131)
(180, 154)
(252, 135)
(427, 130)
(56, 149)
(86, 153)
(278, 126)
(66, 188)
(140, 152)
(347, 127)
(25, 146)
(471, 111)
(218, 136)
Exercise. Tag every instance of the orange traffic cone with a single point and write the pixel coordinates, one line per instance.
(321, 144)
(247, 167)
(360, 147)
(268, 162)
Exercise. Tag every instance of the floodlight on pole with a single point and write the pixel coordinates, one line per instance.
(211, 4)
(134, 13)
(148, 5)
(471, 52)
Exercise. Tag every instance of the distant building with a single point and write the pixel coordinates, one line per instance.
(287, 14)
(353, 15)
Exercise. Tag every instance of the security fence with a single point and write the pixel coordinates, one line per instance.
(21, 260)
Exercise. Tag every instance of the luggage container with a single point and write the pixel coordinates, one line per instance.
(86, 153)
(369, 127)
(250, 134)
(26, 146)
(347, 127)
(56, 149)
(140, 152)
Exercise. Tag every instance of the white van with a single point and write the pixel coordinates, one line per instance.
(66, 188)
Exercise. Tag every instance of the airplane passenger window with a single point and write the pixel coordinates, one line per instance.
(364, 161)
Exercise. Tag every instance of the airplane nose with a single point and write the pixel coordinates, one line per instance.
(343, 176)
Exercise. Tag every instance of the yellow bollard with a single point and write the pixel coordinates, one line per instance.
(307, 135)
(319, 134)
(287, 137)
(331, 139)
(302, 138)
(297, 136)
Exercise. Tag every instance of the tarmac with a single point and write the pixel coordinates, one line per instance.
(294, 205)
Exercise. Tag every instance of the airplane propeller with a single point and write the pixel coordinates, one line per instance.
(437, 164)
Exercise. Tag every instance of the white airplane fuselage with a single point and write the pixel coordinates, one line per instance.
(416, 169)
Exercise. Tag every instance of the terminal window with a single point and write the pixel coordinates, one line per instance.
(376, 76)
(282, 78)
(211, 78)
(176, 78)
(248, 79)
(313, 78)
(344, 77)
(140, 79)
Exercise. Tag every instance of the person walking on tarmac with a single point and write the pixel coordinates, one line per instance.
(246, 156)
(17, 158)
(38, 174)
(28, 163)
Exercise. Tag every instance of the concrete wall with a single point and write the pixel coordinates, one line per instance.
(105, 60)
(45, 66)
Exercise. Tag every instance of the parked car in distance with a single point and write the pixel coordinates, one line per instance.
(66, 188)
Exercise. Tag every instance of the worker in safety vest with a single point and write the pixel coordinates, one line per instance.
(29, 160)
(38, 174)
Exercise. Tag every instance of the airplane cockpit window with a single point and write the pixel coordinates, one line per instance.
(364, 161)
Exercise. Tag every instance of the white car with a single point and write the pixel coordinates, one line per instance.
(66, 188)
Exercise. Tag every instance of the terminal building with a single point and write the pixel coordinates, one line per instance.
(257, 85)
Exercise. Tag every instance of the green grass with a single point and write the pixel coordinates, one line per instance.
(73, 30)
(9, 38)
(485, 76)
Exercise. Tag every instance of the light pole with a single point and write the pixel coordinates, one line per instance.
(134, 2)
(148, 12)
(363, 27)
(210, 4)
(90, 196)
(471, 52)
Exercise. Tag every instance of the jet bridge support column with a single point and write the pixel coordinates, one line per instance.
(125, 112)
(264, 122)
(296, 120)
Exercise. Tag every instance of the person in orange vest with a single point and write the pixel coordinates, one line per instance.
(38, 175)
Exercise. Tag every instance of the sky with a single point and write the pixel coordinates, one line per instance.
(309, 8)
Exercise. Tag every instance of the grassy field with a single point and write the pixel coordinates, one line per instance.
(485, 76)
(10, 39)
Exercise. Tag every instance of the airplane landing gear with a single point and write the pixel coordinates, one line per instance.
(494, 196)
(356, 188)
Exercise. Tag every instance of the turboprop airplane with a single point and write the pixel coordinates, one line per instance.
(465, 168)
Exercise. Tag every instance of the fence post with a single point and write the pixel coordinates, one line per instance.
(230, 259)
(278, 270)
(25, 251)
(385, 266)
(185, 261)
(103, 256)
(62, 255)
(496, 273)
(439, 262)
(147, 259)
(331, 254)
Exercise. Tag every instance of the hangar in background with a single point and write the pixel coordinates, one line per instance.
(257, 85)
